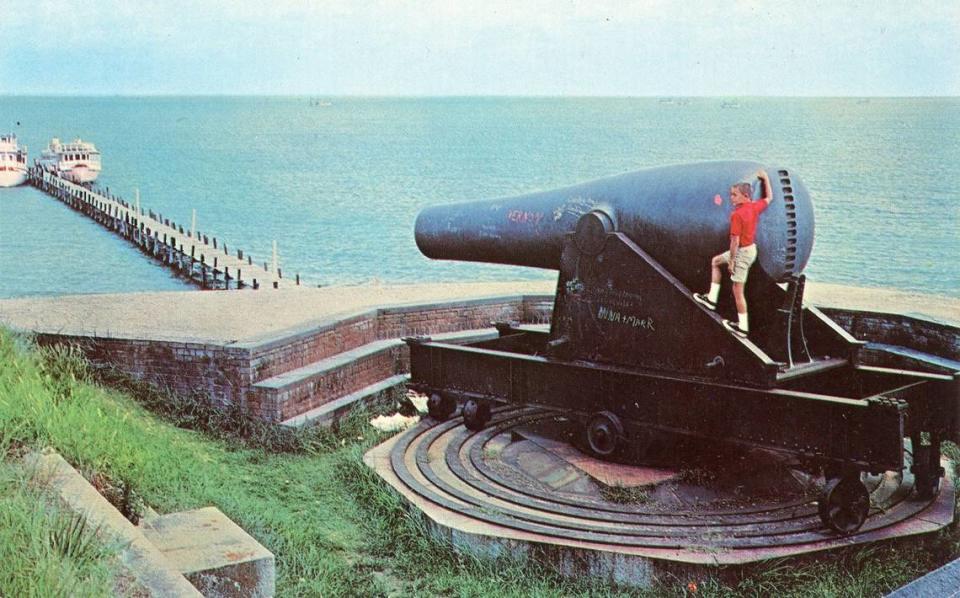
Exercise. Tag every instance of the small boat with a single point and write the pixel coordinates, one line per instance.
(78, 161)
(13, 161)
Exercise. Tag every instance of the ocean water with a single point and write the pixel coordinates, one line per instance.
(338, 185)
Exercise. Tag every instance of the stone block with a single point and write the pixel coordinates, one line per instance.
(214, 553)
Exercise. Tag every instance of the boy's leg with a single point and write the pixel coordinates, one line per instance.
(718, 262)
(741, 301)
(741, 267)
(710, 299)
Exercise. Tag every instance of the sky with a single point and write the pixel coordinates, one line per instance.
(483, 47)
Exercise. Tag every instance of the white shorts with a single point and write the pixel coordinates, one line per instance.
(741, 264)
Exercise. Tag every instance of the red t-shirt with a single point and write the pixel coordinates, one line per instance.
(743, 221)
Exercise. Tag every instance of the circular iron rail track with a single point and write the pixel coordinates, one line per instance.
(445, 463)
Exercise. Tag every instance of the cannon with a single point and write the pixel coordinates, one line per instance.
(633, 357)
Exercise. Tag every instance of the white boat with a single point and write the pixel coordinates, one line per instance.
(13, 161)
(78, 161)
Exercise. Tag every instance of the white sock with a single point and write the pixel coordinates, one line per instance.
(714, 292)
(743, 322)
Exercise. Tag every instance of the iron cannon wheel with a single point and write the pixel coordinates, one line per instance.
(440, 407)
(476, 414)
(844, 504)
(604, 434)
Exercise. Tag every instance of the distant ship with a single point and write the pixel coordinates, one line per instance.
(78, 161)
(13, 161)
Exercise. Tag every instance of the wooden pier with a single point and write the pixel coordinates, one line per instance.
(192, 255)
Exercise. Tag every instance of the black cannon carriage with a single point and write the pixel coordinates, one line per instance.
(632, 356)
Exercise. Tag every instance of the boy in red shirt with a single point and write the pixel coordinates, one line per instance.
(742, 253)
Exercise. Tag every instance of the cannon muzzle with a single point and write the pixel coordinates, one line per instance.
(680, 215)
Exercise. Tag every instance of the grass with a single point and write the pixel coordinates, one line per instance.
(334, 527)
(43, 550)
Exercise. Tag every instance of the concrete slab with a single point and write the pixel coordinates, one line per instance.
(155, 575)
(920, 305)
(227, 317)
(942, 583)
(214, 553)
(613, 475)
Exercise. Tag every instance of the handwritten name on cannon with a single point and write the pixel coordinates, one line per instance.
(631, 321)
(524, 217)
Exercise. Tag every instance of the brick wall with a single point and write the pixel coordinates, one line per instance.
(226, 373)
(337, 383)
(894, 329)
(299, 349)
(221, 373)
(397, 322)
(305, 347)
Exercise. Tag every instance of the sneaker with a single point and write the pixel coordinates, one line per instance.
(703, 300)
(734, 328)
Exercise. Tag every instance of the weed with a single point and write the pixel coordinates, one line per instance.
(197, 412)
(45, 551)
(698, 475)
(73, 539)
(122, 494)
(625, 494)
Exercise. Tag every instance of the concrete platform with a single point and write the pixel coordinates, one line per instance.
(154, 574)
(278, 354)
(214, 553)
(512, 491)
(230, 317)
(227, 317)
(191, 553)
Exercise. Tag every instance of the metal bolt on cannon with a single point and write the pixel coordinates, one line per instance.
(634, 358)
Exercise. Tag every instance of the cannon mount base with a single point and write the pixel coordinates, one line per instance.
(518, 488)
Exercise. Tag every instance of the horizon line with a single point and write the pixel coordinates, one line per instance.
(460, 96)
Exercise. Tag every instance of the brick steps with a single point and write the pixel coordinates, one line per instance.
(337, 408)
(298, 348)
(306, 388)
(323, 390)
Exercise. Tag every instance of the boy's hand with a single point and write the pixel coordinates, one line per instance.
(730, 267)
(762, 174)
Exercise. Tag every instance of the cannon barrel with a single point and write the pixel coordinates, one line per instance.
(678, 214)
